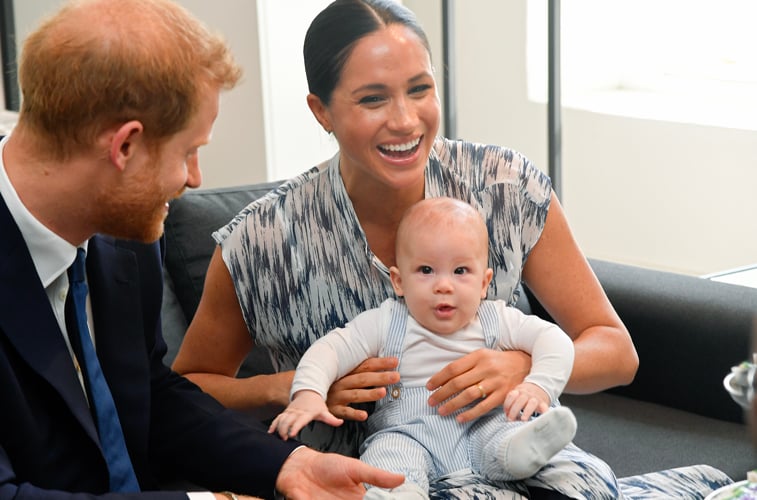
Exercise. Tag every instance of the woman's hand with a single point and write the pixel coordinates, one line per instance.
(484, 375)
(364, 384)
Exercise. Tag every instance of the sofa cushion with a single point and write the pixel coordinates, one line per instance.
(191, 220)
(189, 245)
(635, 437)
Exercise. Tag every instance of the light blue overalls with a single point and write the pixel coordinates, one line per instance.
(407, 435)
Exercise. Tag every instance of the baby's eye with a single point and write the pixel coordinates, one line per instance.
(461, 270)
(425, 270)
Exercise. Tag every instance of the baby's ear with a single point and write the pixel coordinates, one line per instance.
(488, 274)
(394, 275)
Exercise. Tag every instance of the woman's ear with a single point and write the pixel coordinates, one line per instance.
(396, 277)
(124, 142)
(320, 112)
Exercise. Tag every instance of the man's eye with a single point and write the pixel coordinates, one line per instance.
(425, 270)
(461, 270)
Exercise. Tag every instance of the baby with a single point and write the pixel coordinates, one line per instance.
(441, 279)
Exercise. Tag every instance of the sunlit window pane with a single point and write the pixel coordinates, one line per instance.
(692, 61)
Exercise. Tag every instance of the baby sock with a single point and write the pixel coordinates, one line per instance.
(528, 448)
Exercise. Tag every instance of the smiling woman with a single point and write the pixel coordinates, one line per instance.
(316, 252)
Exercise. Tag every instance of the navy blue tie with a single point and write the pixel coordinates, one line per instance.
(122, 477)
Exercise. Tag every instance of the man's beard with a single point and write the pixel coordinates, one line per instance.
(133, 220)
(137, 210)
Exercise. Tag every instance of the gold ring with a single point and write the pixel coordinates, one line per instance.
(483, 392)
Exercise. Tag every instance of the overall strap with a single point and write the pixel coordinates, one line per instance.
(487, 313)
(395, 339)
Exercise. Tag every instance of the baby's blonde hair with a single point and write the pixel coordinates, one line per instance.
(440, 214)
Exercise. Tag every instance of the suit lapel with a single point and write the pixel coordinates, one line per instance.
(114, 284)
(28, 322)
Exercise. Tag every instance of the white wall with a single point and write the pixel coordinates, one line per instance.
(294, 139)
(237, 153)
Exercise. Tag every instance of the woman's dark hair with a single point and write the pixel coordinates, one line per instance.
(334, 32)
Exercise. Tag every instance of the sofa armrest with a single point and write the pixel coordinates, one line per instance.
(688, 332)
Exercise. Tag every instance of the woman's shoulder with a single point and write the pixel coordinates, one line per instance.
(484, 165)
(291, 192)
(490, 159)
(287, 199)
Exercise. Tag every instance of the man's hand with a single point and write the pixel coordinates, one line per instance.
(309, 474)
(225, 496)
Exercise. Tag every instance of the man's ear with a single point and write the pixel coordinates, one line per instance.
(394, 275)
(320, 112)
(124, 142)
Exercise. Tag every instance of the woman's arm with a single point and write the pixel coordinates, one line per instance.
(217, 342)
(561, 279)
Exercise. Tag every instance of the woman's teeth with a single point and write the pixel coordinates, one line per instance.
(401, 148)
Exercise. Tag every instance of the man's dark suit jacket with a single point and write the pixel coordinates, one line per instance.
(48, 442)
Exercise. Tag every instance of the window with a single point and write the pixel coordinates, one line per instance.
(8, 87)
(685, 61)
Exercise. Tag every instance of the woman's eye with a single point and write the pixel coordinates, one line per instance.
(426, 270)
(371, 99)
(419, 89)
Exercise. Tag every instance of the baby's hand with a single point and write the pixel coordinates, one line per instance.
(305, 407)
(525, 400)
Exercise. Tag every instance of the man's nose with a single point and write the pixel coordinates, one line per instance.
(194, 174)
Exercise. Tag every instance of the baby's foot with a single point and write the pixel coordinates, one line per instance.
(529, 448)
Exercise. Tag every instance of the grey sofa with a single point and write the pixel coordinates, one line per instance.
(688, 332)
